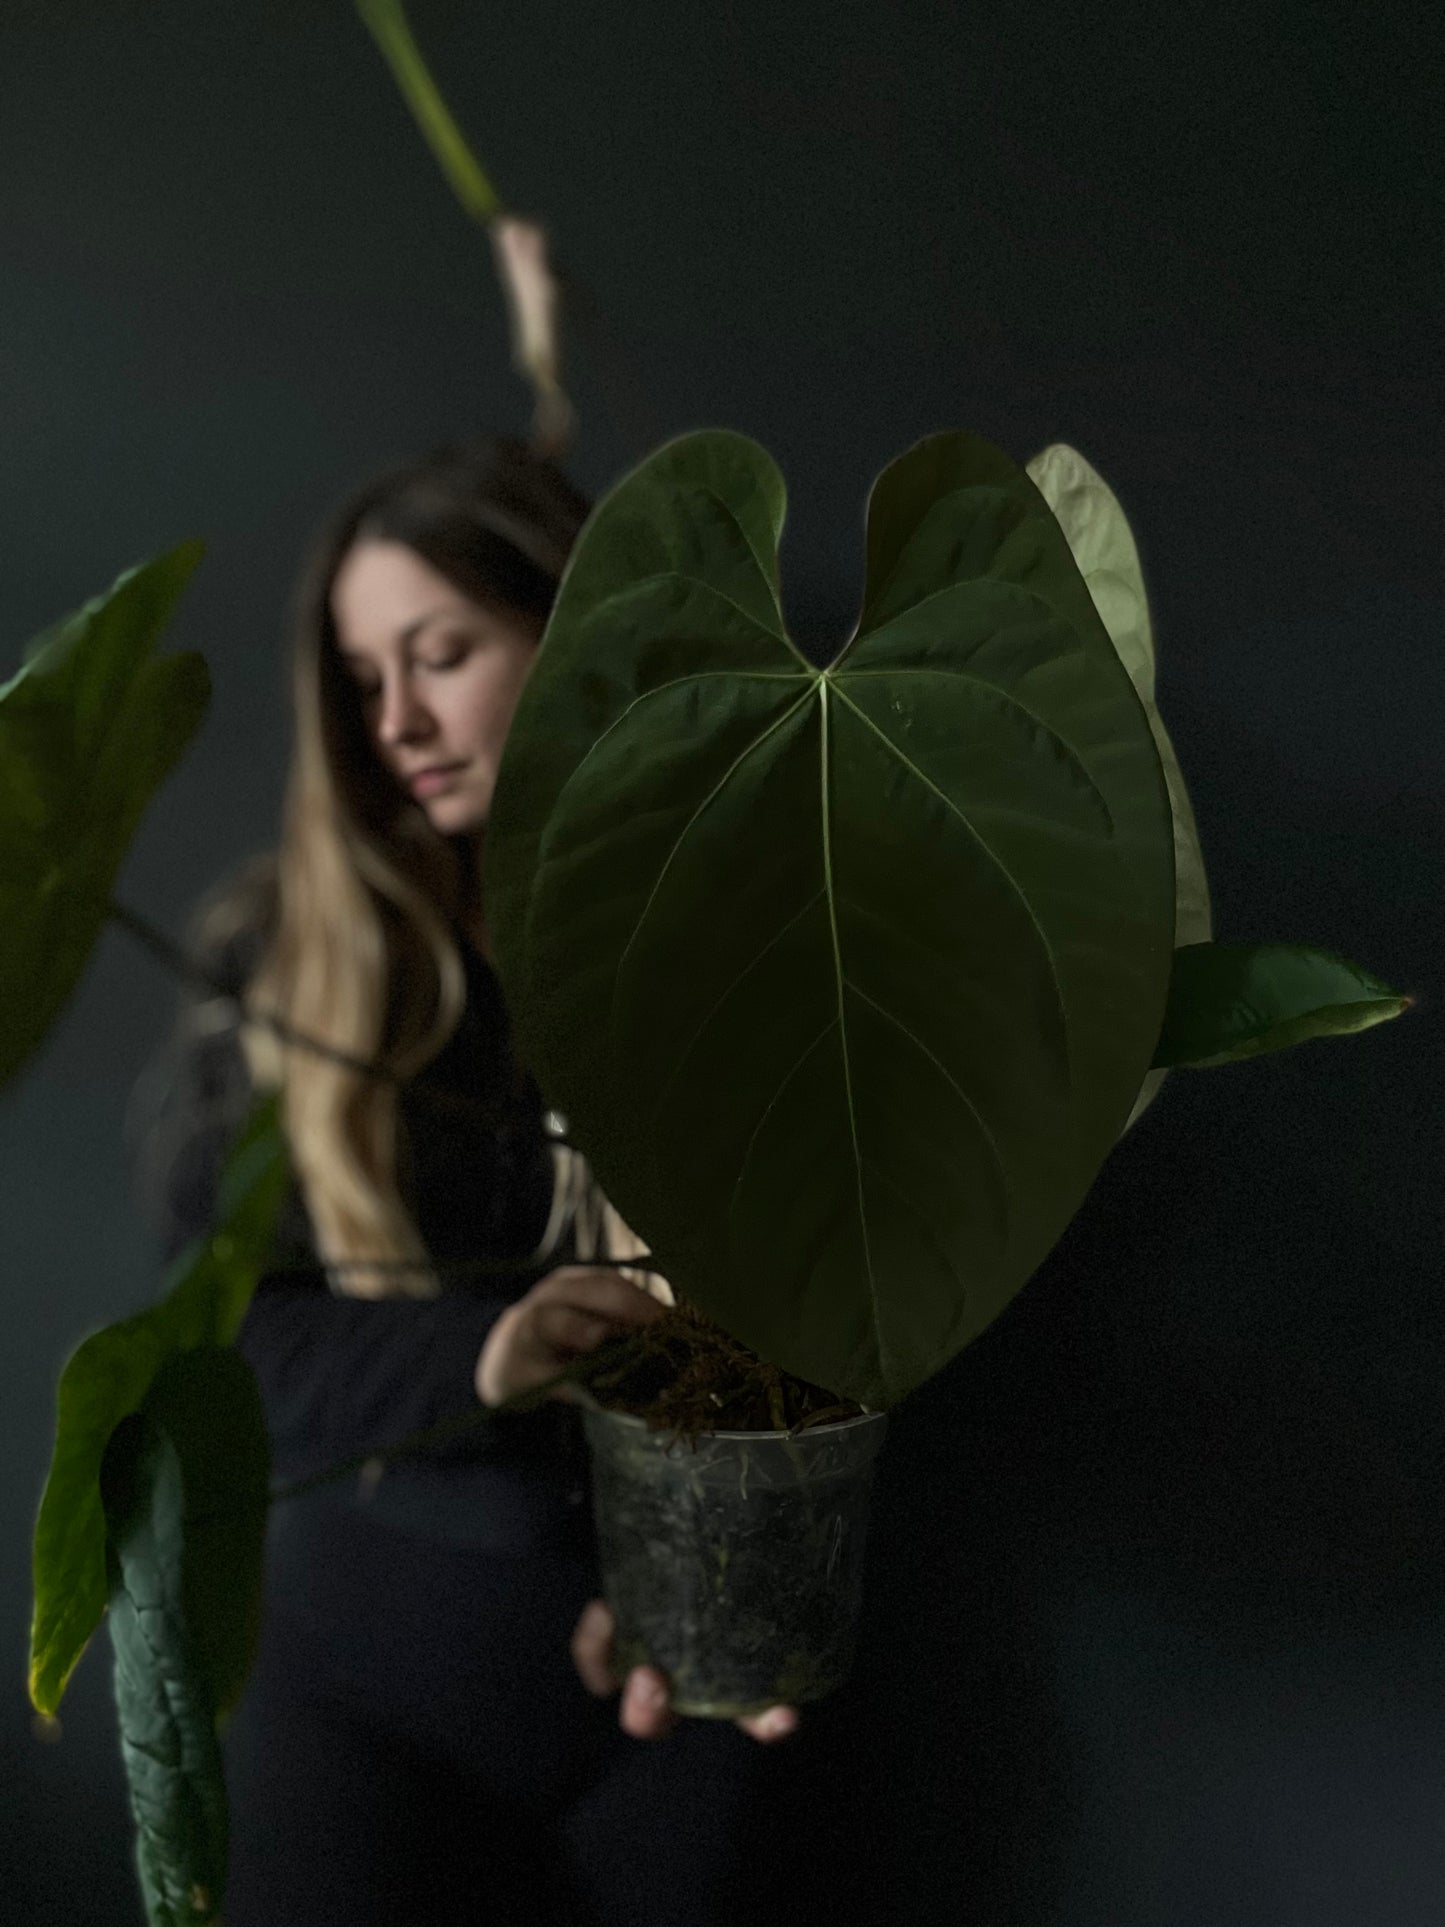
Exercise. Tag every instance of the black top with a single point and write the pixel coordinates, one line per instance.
(342, 1376)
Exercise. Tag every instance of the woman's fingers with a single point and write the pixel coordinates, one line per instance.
(592, 1649)
(775, 1724)
(599, 1292)
(571, 1310)
(575, 1311)
(562, 1328)
(645, 1713)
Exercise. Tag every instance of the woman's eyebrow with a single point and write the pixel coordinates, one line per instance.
(405, 635)
(419, 623)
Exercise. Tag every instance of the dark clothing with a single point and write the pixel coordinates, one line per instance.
(415, 1746)
(415, 1743)
(344, 1375)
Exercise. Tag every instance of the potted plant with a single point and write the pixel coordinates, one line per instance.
(848, 980)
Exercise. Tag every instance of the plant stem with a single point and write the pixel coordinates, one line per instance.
(389, 28)
(180, 964)
(461, 1268)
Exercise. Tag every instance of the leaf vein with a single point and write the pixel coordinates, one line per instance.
(918, 1044)
(746, 971)
(686, 829)
(772, 1105)
(989, 852)
(982, 682)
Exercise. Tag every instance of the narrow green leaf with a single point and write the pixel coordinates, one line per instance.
(183, 1483)
(109, 1376)
(845, 980)
(90, 726)
(388, 25)
(1229, 1001)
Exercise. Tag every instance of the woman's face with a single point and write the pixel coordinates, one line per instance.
(439, 677)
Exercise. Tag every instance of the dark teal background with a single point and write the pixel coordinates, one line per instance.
(1156, 1630)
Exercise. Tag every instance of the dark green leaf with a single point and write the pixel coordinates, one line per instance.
(209, 1404)
(90, 726)
(845, 980)
(1233, 1000)
(110, 1375)
(183, 1483)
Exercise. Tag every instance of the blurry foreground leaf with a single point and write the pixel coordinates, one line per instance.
(519, 247)
(184, 1488)
(90, 726)
(110, 1375)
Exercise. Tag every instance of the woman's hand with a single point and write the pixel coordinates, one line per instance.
(645, 1713)
(569, 1312)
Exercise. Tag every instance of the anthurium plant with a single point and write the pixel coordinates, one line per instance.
(848, 980)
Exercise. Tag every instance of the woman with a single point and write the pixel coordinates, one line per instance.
(415, 1743)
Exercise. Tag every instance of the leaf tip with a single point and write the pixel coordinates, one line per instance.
(44, 1695)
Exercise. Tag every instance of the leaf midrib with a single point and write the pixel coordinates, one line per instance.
(825, 684)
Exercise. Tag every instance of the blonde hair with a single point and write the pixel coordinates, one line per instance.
(364, 957)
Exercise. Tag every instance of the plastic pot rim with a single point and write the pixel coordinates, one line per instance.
(808, 1432)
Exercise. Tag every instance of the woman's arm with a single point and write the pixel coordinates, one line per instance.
(340, 1377)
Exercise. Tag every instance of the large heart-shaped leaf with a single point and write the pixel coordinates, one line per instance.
(184, 1488)
(90, 725)
(109, 1376)
(1229, 1001)
(846, 980)
(1102, 543)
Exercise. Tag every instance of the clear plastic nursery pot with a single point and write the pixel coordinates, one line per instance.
(735, 1565)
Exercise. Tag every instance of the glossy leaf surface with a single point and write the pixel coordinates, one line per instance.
(1229, 1001)
(184, 1488)
(90, 726)
(846, 980)
(110, 1375)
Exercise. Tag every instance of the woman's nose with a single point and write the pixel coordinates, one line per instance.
(402, 718)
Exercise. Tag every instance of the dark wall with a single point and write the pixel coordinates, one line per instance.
(1155, 1630)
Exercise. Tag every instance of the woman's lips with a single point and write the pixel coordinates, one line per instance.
(428, 781)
